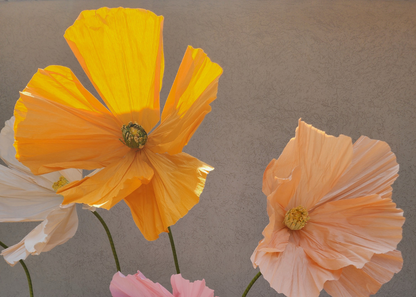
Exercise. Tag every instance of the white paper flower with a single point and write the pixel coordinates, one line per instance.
(26, 197)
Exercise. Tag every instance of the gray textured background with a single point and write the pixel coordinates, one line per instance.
(343, 66)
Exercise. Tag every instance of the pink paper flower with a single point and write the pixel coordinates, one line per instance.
(139, 286)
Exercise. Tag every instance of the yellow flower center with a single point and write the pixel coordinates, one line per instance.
(62, 181)
(134, 135)
(296, 218)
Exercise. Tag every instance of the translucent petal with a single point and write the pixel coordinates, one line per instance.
(121, 51)
(194, 88)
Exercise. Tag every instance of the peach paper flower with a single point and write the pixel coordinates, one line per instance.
(60, 125)
(139, 286)
(25, 197)
(333, 224)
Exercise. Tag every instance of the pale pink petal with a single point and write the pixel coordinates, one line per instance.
(136, 286)
(348, 232)
(373, 170)
(368, 280)
(58, 227)
(322, 161)
(184, 288)
(293, 273)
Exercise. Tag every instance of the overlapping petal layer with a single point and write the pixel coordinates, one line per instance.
(112, 184)
(293, 273)
(322, 159)
(175, 188)
(59, 226)
(372, 171)
(368, 280)
(194, 88)
(139, 286)
(121, 51)
(65, 128)
(184, 288)
(136, 286)
(348, 232)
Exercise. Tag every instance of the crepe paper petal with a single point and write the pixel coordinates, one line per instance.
(59, 226)
(322, 158)
(23, 200)
(349, 232)
(280, 170)
(368, 280)
(136, 286)
(60, 125)
(194, 88)
(175, 188)
(293, 273)
(184, 288)
(121, 51)
(77, 129)
(340, 215)
(372, 171)
(110, 185)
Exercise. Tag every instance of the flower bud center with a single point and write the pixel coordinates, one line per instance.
(296, 218)
(134, 135)
(62, 181)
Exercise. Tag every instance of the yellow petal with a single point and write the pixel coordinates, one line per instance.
(175, 188)
(60, 125)
(121, 51)
(110, 185)
(194, 88)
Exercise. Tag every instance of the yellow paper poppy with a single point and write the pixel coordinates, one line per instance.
(60, 125)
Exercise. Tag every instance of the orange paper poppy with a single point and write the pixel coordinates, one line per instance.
(333, 224)
(59, 124)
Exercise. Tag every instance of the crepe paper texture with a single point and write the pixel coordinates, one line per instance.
(60, 125)
(25, 197)
(333, 224)
(139, 286)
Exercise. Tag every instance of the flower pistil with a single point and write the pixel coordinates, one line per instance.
(134, 135)
(62, 181)
(296, 218)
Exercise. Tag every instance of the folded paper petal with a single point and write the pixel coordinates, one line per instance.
(136, 286)
(80, 124)
(177, 183)
(293, 273)
(368, 280)
(349, 232)
(121, 51)
(280, 170)
(194, 88)
(322, 160)
(59, 226)
(372, 171)
(184, 288)
(112, 184)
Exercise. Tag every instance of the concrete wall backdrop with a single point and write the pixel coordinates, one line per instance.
(343, 66)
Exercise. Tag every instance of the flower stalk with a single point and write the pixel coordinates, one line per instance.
(175, 257)
(110, 238)
(251, 284)
(29, 280)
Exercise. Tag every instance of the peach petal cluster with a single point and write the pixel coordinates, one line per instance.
(348, 245)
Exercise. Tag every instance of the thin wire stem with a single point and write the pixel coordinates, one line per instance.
(110, 238)
(29, 280)
(175, 257)
(251, 283)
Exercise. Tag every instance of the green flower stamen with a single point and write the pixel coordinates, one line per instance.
(134, 135)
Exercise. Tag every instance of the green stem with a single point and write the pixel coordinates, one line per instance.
(175, 257)
(29, 280)
(110, 238)
(251, 283)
